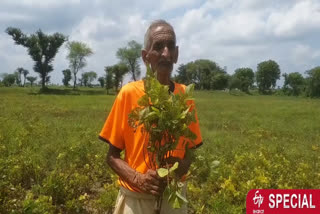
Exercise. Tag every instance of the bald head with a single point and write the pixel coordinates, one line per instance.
(154, 25)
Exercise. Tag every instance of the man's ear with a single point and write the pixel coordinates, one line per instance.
(176, 54)
(144, 54)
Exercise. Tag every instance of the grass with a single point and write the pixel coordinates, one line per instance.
(272, 121)
(51, 160)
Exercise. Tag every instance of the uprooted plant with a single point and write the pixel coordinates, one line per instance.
(165, 117)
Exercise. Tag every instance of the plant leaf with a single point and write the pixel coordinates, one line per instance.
(176, 203)
(174, 167)
(189, 89)
(181, 197)
(162, 172)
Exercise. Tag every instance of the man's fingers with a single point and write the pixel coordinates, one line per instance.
(153, 173)
(156, 187)
(155, 193)
(154, 177)
(153, 184)
(153, 189)
(153, 180)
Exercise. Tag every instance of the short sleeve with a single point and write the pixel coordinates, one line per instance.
(195, 128)
(112, 131)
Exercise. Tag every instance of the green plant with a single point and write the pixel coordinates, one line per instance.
(40, 205)
(165, 118)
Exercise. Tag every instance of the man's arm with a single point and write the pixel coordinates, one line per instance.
(149, 182)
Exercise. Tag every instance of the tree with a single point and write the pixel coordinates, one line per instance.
(2, 75)
(66, 77)
(18, 73)
(313, 82)
(25, 72)
(17, 78)
(8, 79)
(101, 81)
(78, 52)
(80, 82)
(84, 79)
(116, 72)
(204, 73)
(119, 70)
(88, 77)
(268, 72)
(47, 80)
(109, 77)
(294, 83)
(234, 83)
(130, 56)
(183, 75)
(242, 79)
(219, 81)
(91, 77)
(41, 47)
(31, 79)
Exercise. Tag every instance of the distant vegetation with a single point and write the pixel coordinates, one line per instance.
(78, 52)
(204, 73)
(41, 47)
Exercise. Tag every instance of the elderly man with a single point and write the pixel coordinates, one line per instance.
(139, 184)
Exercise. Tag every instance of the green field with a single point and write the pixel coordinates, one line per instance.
(52, 161)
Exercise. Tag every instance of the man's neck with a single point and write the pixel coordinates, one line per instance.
(164, 80)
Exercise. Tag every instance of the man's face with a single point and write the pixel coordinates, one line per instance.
(163, 52)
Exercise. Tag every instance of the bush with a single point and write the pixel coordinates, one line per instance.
(40, 205)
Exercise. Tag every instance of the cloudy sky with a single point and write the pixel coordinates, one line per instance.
(233, 33)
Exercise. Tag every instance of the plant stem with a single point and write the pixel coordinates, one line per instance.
(157, 208)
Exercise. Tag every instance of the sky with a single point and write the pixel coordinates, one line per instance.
(232, 33)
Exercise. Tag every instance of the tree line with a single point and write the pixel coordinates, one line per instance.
(16, 77)
(128, 56)
(42, 48)
(204, 73)
(207, 75)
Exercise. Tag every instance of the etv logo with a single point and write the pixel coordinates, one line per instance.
(284, 201)
(257, 199)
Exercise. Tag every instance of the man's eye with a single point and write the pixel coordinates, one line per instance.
(157, 46)
(171, 46)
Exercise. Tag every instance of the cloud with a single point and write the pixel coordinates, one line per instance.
(301, 19)
(105, 36)
(168, 5)
(13, 57)
(9, 17)
(41, 4)
(234, 33)
(244, 33)
(95, 28)
(305, 56)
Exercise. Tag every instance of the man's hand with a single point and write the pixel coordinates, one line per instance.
(184, 165)
(150, 182)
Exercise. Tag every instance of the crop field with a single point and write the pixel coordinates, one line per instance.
(51, 160)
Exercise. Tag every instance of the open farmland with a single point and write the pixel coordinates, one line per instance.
(52, 161)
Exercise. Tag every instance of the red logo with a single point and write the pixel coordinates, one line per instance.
(281, 201)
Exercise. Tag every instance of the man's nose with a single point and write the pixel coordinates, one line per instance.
(166, 52)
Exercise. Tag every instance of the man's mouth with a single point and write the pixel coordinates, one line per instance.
(165, 64)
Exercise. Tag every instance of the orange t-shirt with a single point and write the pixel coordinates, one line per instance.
(117, 131)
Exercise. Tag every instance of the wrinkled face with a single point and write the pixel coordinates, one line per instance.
(163, 52)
